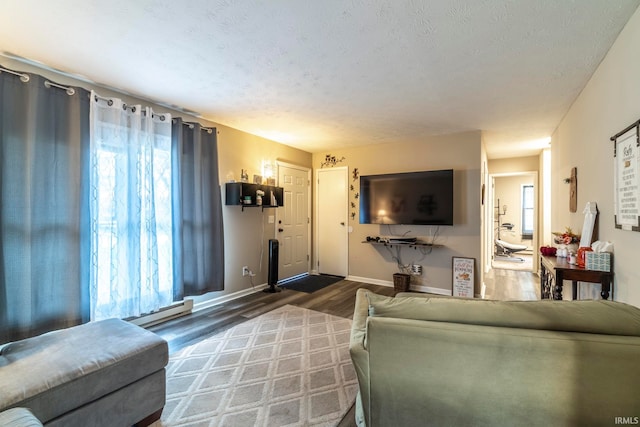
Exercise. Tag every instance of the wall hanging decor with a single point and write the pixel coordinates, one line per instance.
(330, 160)
(354, 191)
(626, 166)
(573, 190)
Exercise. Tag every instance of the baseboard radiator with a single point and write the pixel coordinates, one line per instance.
(178, 309)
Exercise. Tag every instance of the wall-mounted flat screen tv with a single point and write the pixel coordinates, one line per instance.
(424, 198)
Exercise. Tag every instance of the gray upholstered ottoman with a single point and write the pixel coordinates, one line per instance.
(108, 373)
(18, 417)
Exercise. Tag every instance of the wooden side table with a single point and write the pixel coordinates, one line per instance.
(554, 271)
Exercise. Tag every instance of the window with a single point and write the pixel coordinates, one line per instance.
(527, 212)
(130, 211)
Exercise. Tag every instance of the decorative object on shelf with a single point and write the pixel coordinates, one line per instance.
(567, 242)
(257, 179)
(330, 160)
(463, 276)
(590, 216)
(259, 194)
(267, 169)
(271, 181)
(565, 238)
(626, 170)
(582, 255)
(548, 250)
(244, 175)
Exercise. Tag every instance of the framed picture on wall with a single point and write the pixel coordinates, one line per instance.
(626, 155)
(463, 276)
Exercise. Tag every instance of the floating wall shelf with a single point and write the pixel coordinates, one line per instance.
(235, 193)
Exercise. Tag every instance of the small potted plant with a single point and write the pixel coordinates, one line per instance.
(566, 240)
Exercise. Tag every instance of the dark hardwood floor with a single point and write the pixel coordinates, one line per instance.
(337, 299)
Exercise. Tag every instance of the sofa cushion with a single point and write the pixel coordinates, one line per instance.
(18, 417)
(59, 371)
(589, 316)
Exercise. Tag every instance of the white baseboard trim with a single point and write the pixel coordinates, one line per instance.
(389, 283)
(369, 280)
(226, 298)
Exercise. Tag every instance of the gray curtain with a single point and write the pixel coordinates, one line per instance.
(198, 232)
(44, 222)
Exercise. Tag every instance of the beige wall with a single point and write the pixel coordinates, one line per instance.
(461, 152)
(246, 233)
(509, 190)
(514, 165)
(608, 104)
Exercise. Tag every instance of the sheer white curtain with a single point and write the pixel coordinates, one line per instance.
(130, 209)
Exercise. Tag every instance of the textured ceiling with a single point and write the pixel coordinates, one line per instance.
(319, 75)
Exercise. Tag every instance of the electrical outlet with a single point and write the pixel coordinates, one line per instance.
(245, 271)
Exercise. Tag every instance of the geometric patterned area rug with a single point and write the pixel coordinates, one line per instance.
(288, 367)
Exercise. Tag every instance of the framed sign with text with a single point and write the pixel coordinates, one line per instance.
(626, 155)
(463, 277)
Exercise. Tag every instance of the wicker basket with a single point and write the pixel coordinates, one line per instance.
(401, 282)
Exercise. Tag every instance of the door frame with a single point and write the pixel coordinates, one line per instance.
(279, 164)
(316, 221)
(536, 215)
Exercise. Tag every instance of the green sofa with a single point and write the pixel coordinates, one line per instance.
(423, 360)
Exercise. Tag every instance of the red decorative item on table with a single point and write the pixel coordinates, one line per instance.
(581, 255)
(548, 250)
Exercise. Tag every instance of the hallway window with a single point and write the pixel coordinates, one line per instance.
(527, 212)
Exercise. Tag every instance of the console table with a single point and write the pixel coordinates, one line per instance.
(557, 270)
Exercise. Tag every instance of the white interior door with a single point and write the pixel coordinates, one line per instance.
(332, 221)
(293, 222)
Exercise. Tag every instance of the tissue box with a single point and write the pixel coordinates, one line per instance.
(600, 261)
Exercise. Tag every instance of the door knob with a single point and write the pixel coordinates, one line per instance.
(280, 230)
(342, 223)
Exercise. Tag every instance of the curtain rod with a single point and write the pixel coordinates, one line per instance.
(125, 106)
(23, 77)
(70, 91)
(191, 126)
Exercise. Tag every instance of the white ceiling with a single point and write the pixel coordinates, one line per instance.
(319, 75)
